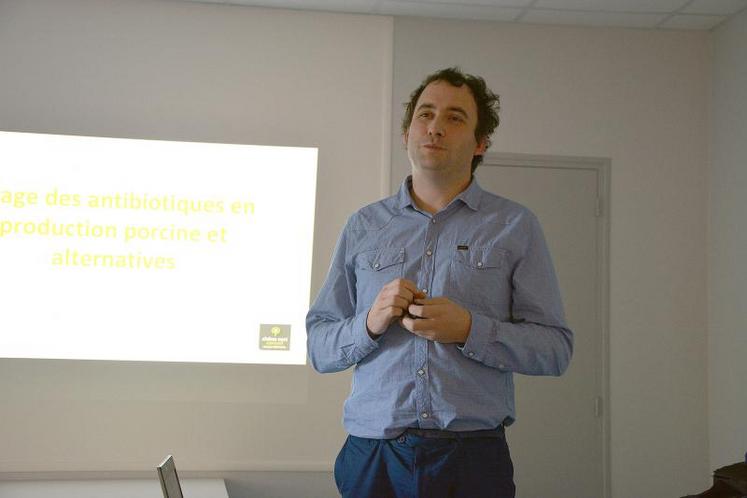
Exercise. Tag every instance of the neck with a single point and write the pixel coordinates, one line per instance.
(431, 194)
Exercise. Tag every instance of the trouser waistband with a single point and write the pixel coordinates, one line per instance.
(496, 433)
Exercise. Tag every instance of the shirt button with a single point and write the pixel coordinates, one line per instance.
(433, 220)
(424, 415)
(425, 291)
(471, 353)
(421, 372)
(479, 263)
(428, 252)
(377, 265)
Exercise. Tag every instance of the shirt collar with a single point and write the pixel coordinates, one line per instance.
(470, 196)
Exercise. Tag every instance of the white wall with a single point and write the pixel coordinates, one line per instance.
(727, 345)
(184, 71)
(640, 98)
(196, 72)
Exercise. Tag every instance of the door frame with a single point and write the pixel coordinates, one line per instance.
(602, 167)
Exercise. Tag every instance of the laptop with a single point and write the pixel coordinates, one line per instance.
(169, 479)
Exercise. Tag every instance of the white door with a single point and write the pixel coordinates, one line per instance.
(557, 442)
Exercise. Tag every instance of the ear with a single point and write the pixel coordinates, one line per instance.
(481, 147)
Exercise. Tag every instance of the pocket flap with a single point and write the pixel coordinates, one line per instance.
(480, 258)
(379, 259)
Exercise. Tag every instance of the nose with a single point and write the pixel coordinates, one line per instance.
(435, 128)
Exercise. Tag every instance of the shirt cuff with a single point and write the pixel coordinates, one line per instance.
(482, 335)
(363, 342)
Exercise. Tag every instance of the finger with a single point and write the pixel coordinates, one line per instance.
(432, 301)
(396, 301)
(410, 296)
(419, 294)
(413, 290)
(424, 333)
(405, 294)
(426, 309)
(398, 287)
(403, 283)
(420, 326)
(388, 309)
(417, 311)
(394, 313)
(401, 302)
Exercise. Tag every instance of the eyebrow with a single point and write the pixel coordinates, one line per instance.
(456, 109)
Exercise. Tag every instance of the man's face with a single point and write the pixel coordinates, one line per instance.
(441, 136)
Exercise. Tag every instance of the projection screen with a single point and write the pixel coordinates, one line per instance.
(146, 250)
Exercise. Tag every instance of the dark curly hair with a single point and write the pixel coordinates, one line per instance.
(488, 103)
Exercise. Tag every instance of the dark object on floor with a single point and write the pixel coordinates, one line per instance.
(728, 482)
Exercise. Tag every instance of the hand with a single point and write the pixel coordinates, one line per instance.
(438, 319)
(391, 304)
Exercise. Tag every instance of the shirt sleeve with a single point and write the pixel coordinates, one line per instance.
(337, 337)
(537, 340)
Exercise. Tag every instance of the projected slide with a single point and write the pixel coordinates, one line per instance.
(120, 249)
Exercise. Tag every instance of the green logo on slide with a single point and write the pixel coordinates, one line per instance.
(274, 336)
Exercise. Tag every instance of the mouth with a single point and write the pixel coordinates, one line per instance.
(433, 147)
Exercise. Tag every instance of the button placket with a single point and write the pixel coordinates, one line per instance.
(425, 275)
(427, 265)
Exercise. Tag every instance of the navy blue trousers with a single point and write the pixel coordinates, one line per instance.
(416, 467)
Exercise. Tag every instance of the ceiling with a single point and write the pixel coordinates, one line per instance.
(655, 14)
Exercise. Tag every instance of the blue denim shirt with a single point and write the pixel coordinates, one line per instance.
(483, 251)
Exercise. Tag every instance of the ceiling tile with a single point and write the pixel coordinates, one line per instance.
(489, 3)
(613, 5)
(693, 22)
(433, 9)
(593, 18)
(717, 7)
(359, 6)
(628, 13)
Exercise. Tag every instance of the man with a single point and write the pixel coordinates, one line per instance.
(437, 295)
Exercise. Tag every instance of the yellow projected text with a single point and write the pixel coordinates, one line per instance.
(114, 226)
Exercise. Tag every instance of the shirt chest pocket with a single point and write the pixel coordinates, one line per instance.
(479, 276)
(374, 269)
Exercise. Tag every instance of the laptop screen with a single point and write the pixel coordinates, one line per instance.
(169, 479)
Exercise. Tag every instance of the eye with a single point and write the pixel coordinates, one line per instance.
(425, 114)
(456, 118)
